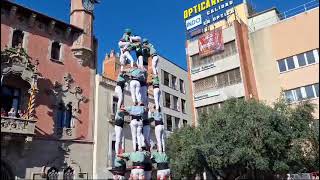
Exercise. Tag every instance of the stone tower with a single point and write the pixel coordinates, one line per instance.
(81, 16)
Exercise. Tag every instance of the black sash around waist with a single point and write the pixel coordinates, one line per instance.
(121, 84)
(147, 166)
(156, 86)
(119, 123)
(158, 122)
(137, 164)
(136, 117)
(119, 170)
(146, 122)
(143, 83)
(162, 166)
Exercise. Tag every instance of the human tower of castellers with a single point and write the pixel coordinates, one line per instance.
(142, 114)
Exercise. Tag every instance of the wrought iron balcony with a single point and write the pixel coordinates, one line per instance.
(15, 125)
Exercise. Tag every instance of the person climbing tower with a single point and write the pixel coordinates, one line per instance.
(146, 129)
(162, 160)
(136, 76)
(119, 89)
(136, 124)
(137, 158)
(119, 169)
(148, 50)
(144, 86)
(147, 164)
(119, 122)
(159, 130)
(156, 91)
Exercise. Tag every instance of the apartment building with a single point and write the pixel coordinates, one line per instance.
(286, 57)
(266, 54)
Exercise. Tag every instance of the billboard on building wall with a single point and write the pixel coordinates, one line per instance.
(211, 42)
(207, 12)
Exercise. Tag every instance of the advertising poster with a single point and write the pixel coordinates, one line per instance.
(211, 43)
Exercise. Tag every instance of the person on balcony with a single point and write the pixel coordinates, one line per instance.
(12, 112)
(3, 113)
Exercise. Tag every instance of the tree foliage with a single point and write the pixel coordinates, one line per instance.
(248, 139)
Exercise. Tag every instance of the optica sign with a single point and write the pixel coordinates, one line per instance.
(208, 12)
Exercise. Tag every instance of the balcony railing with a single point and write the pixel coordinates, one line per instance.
(17, 126)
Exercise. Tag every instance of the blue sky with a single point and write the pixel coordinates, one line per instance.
(161, 21)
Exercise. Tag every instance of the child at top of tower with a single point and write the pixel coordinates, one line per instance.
(125, 48)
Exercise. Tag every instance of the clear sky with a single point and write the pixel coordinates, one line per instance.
(161, 21)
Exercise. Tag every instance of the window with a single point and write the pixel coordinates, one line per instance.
(166, 78)
(316, 88)
(68, 118)
(17, 38)
(64, 115)
(182, 88)
(185, 123)
(60, 115)
(68, 174)
(218, 81)
(290, 63)
(209, 108)
(169, 122)
(309, 91)
(289, 96)
(229, 50)
(55, 51)
(302, 93)
(175, 103)
(115, 105)
(167, 100)
(177, 122)
(183, 105)
(301, 60)
(52, 174)
(310, 57)
(174, 82)
(298, 93)
(282, 65)
(10, 98)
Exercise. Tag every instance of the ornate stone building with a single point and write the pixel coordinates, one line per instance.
(48, 72)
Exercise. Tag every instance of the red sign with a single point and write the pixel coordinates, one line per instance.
(211, 43)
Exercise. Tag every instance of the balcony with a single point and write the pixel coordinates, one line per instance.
(18, 126)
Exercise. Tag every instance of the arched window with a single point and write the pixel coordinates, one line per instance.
(68, 173)
(55, 50)
(60, 115)
(53, 174)
(67, 123)
(17, 38)
(64, 115)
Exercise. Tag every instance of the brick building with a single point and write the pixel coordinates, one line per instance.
(48, 72)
